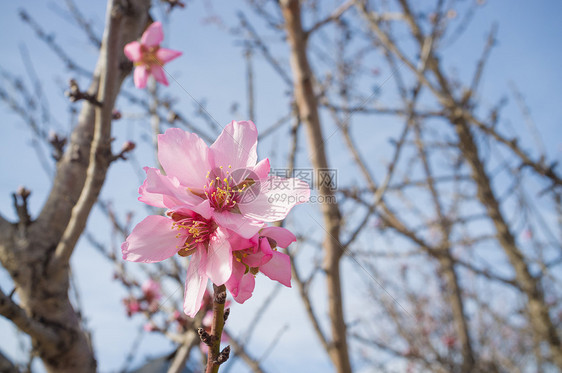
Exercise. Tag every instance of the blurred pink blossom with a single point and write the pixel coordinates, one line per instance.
(148, 57)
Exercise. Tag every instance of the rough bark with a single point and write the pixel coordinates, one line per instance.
(36, 253)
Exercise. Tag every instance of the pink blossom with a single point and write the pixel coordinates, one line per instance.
(151, 290)
(148, 57)
(225, 179)
(449, 340)
(149, 327)
(132, 306)
(260, 255)
(187, 233)
(152, 293)
(218, 200)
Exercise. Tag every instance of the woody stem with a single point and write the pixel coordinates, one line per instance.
(215, 357)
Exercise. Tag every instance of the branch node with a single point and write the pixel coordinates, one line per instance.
(20, 204)
(226, 314)
(58, 144)
(75, 94)
(220, 298)
(223, 356)
(204, 336)
(127, 147)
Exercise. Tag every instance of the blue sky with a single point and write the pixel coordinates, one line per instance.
(212, 68)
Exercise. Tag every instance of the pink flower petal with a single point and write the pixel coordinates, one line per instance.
(233, 282)
(159, 74)
(238, 242)
(236, 146)
(262, 168)
(219, 257)
(153, 35)
(140, 76)
(261, 257)
(246, 288)
(185, 156)
(245, 227)
(164, 191)
(240, 285)
(195, 283)
(276, 198)
(278, 268)
(152, 240)
(282, 236)
(203, 209)
(133, 51)
(166, 55)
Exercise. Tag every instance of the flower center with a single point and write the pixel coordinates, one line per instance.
(196, 230)
(223, 190)
(148, 56)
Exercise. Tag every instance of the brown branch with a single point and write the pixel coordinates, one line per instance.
(240, 351)
(539, 312)
(336, 14)
(100, 151)
(191, 339)
(262, 47)
(69, 62)
(215, 356)
(307, 105)
(39, 271)
(482, 61)
(303, 292)
(13, 312)
(453, 295)
(6, 365)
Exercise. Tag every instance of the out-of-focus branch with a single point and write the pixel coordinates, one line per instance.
(482, 61)
(336, 14)
(83, 23)
(453, 289)
(6, 365)
(240, 351)
(444, 97)
(262, 47)
(13, 312)
(540, 318)
(178, 364)
(70, 64)
(307, 104)
(303, 292)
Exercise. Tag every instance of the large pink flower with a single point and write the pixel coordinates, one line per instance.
(218, 200)
(225, 176)
(149, 57)
(260, 255)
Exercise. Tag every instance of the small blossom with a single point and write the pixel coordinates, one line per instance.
(260, 255)
(148, 57)
(151, 290)
(149, 327)
(449, 340)
(132, 306)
